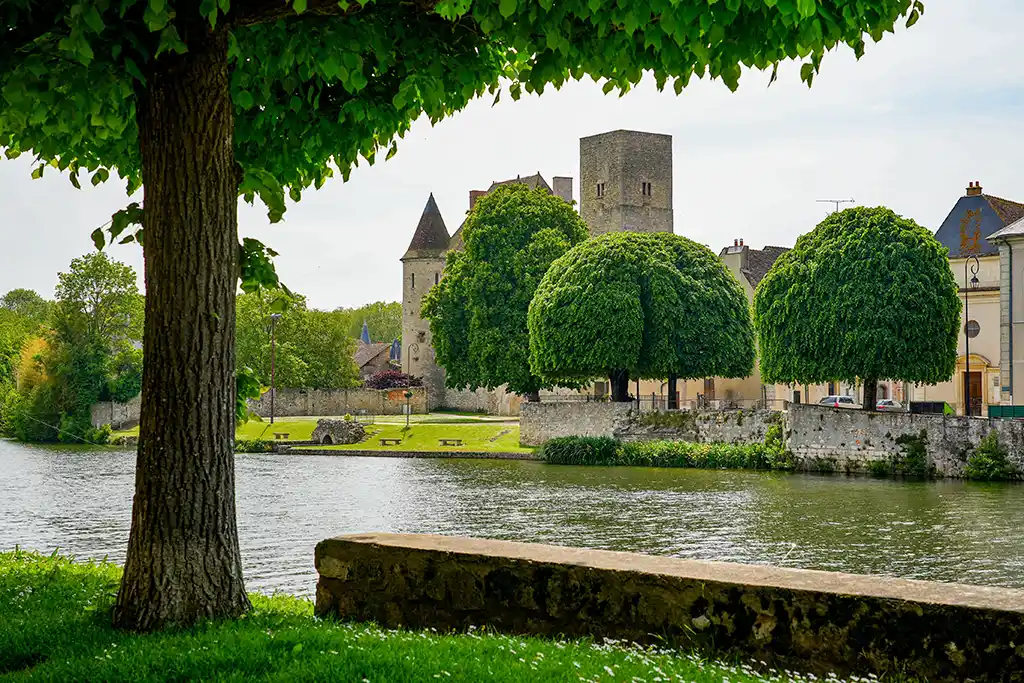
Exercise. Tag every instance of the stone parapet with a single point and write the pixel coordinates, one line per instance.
(808, 620)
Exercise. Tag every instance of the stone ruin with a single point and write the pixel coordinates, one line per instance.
(329, 432)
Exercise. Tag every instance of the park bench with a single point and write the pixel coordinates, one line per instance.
(450, 442)
(281, 435)
(390, 442)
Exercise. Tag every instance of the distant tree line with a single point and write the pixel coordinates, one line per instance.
(59, 357)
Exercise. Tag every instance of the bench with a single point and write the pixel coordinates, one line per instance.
(390, 442)
(449, 442)
(281, 435)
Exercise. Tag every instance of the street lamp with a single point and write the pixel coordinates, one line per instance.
(408, 396)
(969, 330)
(274, 317)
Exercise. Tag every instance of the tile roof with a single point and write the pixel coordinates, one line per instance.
(1015, 229)
(431, 236)
(973, 219)
(367, 352)
(759, 262)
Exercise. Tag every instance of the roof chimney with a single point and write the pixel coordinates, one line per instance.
(974, 188)
(563, 187)
(735, 243)
(741, 241)
(475, 195)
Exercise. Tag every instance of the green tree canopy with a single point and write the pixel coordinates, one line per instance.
(867, 295)
(640, 305)
(384, 320)
(206, 100)
(478, 311)
(100, 297)
(27, 303)
(313, 349)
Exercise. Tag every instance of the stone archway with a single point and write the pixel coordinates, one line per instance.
(327, 440)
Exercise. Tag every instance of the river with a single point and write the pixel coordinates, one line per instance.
(80, 501)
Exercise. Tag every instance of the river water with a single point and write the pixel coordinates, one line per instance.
(80, 501)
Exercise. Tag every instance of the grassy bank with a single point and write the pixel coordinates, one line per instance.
(502, 438)
(55, 626)
(581, 450)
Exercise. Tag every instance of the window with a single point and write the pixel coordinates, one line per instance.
(831, 388)
(437, 278)
(645, 189)
(413, 280)
(600, 190)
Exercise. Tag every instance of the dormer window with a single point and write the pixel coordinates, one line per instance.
(645, 189)
(600, 190)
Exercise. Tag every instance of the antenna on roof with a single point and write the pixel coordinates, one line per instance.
(837, 202)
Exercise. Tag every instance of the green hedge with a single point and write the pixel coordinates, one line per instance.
(583, 450)
(253, 446)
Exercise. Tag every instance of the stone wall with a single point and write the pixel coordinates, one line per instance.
(814, 621)
(306, 402)
(847, 440)
(539, 422)
(117, 415)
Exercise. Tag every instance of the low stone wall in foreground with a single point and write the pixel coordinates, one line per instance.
(808, 620)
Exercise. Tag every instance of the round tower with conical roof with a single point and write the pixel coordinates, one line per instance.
(422, 267)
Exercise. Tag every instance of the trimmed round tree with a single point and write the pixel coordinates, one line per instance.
(867, 295)
(647, 306)
(478, 311)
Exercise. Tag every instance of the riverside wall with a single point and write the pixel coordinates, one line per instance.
(820, 438)
(323, 402)
(814, 621)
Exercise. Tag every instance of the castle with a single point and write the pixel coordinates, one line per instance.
(625, 185)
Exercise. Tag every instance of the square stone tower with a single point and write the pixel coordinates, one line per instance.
(626, 182)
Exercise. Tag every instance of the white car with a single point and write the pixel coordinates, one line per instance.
(889, 404)
(839, 402)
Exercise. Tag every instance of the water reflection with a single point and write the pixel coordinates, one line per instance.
(80, 500)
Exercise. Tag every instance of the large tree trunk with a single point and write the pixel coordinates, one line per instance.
(619, 380)
(183, 560)
(673, 393)
(870, 392)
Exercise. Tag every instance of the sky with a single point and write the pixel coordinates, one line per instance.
(923, 113)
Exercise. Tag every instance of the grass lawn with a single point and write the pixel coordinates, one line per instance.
(55, 626)
(424, 437)
(300, 428)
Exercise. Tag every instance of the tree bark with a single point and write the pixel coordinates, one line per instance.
(673, 393)
(870, 392)
(183, 562)
(619, 380)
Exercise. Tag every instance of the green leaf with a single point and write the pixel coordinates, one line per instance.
(171, 41)
(97, 238)
(299, 6)
(38, 172)
(244, 99)
(507, 8)
(912, 19)
(93, 19)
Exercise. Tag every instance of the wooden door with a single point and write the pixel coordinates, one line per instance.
(972, 381)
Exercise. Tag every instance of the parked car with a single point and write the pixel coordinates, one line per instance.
(839, 402)
(890, 405)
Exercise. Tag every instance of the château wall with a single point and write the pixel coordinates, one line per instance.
(334, 402)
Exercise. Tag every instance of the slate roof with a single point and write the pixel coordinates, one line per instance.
(759, 262)
(431, 236)
(1015, 229)
(531, 181)
(973, 220)
(367, 352)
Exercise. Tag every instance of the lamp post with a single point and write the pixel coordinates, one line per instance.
(967, 327)
(408, 396)
(274, 317)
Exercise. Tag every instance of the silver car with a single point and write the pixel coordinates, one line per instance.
(839, 402)
(889, 404)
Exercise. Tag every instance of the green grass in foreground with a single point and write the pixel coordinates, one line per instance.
(424, 437)
(55, 626)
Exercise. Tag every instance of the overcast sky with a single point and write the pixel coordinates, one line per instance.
(924, 112)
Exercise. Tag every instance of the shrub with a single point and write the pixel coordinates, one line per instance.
(97, 435)
(913, 460)
(253, 446)
(581, 450)
(990, 461)
(392, 379)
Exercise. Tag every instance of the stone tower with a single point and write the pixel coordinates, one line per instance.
(626, 182)
(422, 266)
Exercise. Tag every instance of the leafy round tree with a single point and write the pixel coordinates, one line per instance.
(640, 305)
(206, 100)
(867, 295)
(478, 311)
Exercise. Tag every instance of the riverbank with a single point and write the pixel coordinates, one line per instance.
(55, 626)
